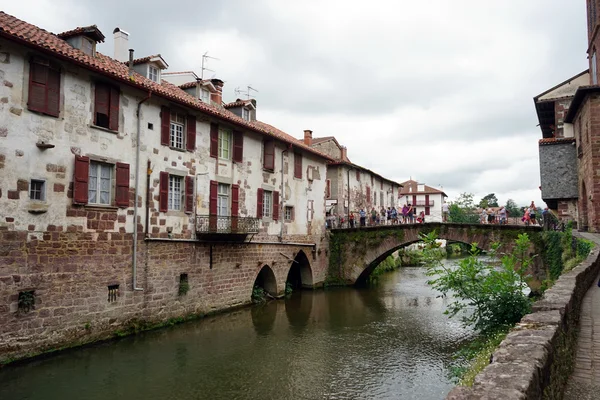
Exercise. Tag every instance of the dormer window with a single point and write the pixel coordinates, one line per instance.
(88, 46)
(153, 73)
(83, 38)
(246, 114)
(205, 96)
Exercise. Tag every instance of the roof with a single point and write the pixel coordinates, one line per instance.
(239, 103)
(561, 84)
(153, 58)
(324, 139)
(284, 136)
(560, 140)
(189, 85)
(411, 187)
(356, 166)
(30, 35)
(91, 31)
(580, 95)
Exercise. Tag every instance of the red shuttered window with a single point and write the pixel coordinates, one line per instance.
(214, 140)
(275, 206)
(122, 181)
(163, 195)
(80, 180)
(189, 194)
(235, 206)
(214, 187)
(328, 188)
(238, 146)
(190, 142)
(44, 87)
(298, 165)
(259, 205)
(165, 126)
(269, 155)
(368, 194)
(106, 106)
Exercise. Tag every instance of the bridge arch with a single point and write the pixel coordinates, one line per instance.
(300, 273)
(266, 280)
(356, 252)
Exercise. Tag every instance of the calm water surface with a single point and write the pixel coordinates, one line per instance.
(387, 342)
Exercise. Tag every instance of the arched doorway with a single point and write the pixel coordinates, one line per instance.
(583, 212)
(266, 281)
(300, 274)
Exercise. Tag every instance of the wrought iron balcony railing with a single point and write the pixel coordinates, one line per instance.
(226, 225)
(424, 203)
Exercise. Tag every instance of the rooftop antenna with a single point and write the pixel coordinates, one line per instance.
(205, 58)
(247, 92)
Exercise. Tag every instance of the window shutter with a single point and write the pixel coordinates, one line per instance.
(275, 206)
(38, 78)
(80, 180)
(297, 165)
(214, 140)
(368, 194)
(269, 155)
(122, 195)
(53, 92)
(101, 100)
(113, 123)
(163, 196)
(212, 208)
(165, 125)
(189, 194)
(293, 213)
(328, 188)
(235, 200)
(238, 146)
(259, 205)
(357, 175)
(191, 133)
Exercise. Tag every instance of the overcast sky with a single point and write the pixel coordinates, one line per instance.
(437, 90)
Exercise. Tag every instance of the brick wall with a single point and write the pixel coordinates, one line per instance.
(70, 273)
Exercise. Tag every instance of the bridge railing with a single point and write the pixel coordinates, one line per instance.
(338, 222)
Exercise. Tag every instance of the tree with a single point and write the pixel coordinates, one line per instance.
(512, 209)
(465, 200)
(462, 210)
(489, 200)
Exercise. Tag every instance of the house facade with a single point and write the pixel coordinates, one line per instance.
(138, 197)
(423, 198)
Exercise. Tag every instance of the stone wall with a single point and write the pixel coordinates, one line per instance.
(70, 273)
(536, 358)
(558, 170)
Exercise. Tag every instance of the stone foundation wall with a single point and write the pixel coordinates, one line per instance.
(536, 358)
(70, 273)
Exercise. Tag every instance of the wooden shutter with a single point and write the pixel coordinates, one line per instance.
(269, 155)
(328, 188)
(357, 175)
(235, 206)
(214, 140)
(38, 79)
(275, 206)
(368, 194)
(80, 180)
(165, 126)
(212, 208)
(163, 196)
(190, 143)
(238, 146)
(101, 100)
(189, 194)
(53, 93)
(113, 121)
(297, 165)
(259, 204)
(122, 192)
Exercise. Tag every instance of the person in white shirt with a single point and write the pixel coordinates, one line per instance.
(445, 212)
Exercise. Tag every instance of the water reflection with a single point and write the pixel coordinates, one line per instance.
(391, 341)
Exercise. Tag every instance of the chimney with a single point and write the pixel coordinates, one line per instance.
(308, 137)
(121, 44)
(344, 153)
(130, 62)
(217, 97)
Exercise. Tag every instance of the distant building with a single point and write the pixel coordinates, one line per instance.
(422, 198)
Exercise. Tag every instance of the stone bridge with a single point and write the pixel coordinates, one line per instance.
(354, 253)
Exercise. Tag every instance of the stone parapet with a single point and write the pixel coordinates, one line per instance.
(536, 358)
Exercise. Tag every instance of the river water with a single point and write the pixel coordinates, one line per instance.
(390, 341)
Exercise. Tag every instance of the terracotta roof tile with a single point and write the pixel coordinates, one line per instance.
(42, 40)
(411, 187)
(91, 30)
(143, 60)
(549, 141)
(322, 139)
(188, 85)
(284, 136)
(237, 103)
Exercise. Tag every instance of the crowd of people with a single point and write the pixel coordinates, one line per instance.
(377, 217)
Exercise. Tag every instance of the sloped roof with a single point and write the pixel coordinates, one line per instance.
(91, 31)
(30, 35)
(551, 141)
(411, 187)
(239, 103)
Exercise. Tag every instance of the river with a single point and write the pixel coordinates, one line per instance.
(390, 341)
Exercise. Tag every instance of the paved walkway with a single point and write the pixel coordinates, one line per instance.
(584, 384)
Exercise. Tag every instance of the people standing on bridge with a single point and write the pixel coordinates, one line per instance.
(444, 211)
(411, 213)
(502, 215)
(532, 211)
(483, 216)
(421, 219)
(404, 213)
(373, 217)
(384, 216)
(351, 220)
(394, 216)
(363, 218)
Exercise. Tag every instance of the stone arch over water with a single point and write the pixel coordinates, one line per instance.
(266, 280)
(300, 273)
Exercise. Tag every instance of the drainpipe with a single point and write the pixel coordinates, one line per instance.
(282, 209)
(348, 218)
(148, 174)
(137, 180)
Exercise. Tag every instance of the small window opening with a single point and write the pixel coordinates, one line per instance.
(113, 293)
(184, 285)
(150, 125)
(102, 120)
(37, 190)
(26, 301)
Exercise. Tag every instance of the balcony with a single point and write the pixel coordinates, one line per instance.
(424, 203)
(228, 229)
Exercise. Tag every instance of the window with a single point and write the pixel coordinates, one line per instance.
(381, 198)
(106, 106)
(358, 175)
(113, 293)
(269, 155)
(223, 200)
(44, 87)
(267, 203)
(289, 213)
(177, 128)
(153, 73)
(246, 114)
(375, 198)
(224, 144)
(328, 188)
(100, 183)
(594, 69)
(37, 190)
(87, 46)
(298, 165)
(175, 193)
(205, 96)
